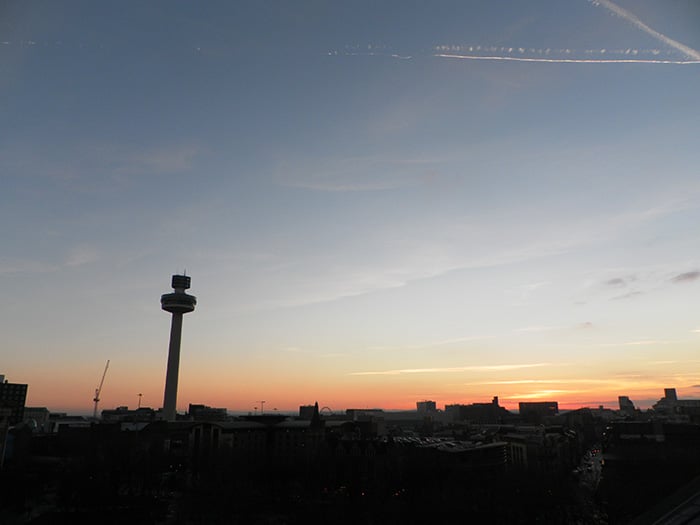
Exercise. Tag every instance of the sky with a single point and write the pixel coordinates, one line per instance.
(377, 203)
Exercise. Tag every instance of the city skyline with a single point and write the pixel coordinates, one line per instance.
(378, 204)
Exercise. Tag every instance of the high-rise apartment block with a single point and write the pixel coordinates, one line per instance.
(13, 396)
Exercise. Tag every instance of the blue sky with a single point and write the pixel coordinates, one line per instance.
(366, 220)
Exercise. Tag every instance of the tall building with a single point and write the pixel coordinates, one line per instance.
(626, 406)
(670, 394)
(177, 303)
(307, 411)
(13, 396)
(424, 407)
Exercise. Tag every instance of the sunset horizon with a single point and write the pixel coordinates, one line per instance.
(377, 204)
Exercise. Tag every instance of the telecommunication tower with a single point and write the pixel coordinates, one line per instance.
(177, 303)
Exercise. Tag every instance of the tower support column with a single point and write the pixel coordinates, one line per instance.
(173, 372)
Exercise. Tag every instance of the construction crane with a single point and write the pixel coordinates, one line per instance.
(98, 390)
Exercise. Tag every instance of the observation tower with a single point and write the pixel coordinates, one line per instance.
(177, 303)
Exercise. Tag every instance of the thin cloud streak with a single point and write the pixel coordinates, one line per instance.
(11, 265)
(546, 382)
(442, 342)
(413, 268)
(481, 368)
(631, 18)
(537, 328)
(571, 60)
(686, 277)
(639, 343)
(544, 393)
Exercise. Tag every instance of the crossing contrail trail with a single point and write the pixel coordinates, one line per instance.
(632, 19)
(570, 60)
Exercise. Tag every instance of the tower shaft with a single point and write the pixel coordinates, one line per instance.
(173, 372)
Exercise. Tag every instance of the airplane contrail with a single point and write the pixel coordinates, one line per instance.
(570, 60)
(631, 18)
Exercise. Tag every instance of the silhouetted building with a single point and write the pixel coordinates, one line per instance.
(205, 413)
(354, 413)
(626, 406)
(306, 412)
(536, 412)
(5, 414)
(367, 423)
(124, 415)
(483, 413)
(61, 420)
(426, 407)
(37, 418)
(13, 396)
(670, 405)
(541, 449)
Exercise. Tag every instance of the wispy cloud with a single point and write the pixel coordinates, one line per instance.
(77, 256)
(627, 295)
(686, 277)
(543, 393)
(538, 328)
(431, 344)
(647, 342)
(442, 370)
(438, 248)
(617, 281)
(553, 328)
(10, 265)
(545, 382)
(91, 163)
(294, 350)
(634, 20)
(160, 160)
(644, 342)
(354, 174)
(81, 255)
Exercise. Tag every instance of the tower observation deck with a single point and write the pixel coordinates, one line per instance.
(177, 303)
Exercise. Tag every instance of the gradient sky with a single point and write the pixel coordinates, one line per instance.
(378, 202)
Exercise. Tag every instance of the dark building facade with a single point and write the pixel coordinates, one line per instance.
(207, 413)
(483, 413)
(13, 396)
(423, 407)
(537, 411)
